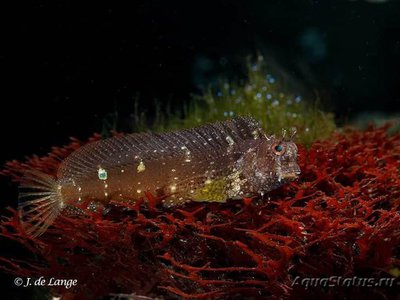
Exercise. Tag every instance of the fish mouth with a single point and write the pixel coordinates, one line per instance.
(291, 175)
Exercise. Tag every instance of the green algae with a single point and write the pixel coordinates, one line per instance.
(260, 95)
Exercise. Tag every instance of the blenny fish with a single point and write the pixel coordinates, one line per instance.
(212, 163)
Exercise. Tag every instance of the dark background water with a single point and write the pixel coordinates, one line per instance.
(68, 67)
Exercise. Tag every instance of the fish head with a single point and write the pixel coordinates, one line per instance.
(271, 163)
(285, 161)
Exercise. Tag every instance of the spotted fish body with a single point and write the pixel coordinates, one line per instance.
(214, 162)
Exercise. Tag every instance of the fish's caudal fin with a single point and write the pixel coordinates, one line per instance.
(39, 203)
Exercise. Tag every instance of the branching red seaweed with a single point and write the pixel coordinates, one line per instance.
(341, 218)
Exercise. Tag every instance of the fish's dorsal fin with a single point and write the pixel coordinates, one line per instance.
(133, 148)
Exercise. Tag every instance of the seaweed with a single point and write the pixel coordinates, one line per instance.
(340, 219)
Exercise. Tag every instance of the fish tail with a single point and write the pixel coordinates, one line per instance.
(39, 202)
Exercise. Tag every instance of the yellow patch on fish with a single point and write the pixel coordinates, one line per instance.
(212, 191)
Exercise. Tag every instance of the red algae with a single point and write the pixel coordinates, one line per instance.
(340, 219)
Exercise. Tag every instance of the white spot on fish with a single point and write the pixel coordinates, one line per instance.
(230, 140)
(255, 134)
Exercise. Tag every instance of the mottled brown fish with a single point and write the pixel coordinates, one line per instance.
(214, 162)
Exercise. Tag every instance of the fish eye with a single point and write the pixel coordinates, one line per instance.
(278, 149)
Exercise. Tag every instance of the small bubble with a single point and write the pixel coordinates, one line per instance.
(297, 99)
(258, 95)
(270, 79)
(269, 96)
(219, 93)
(275, 102)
